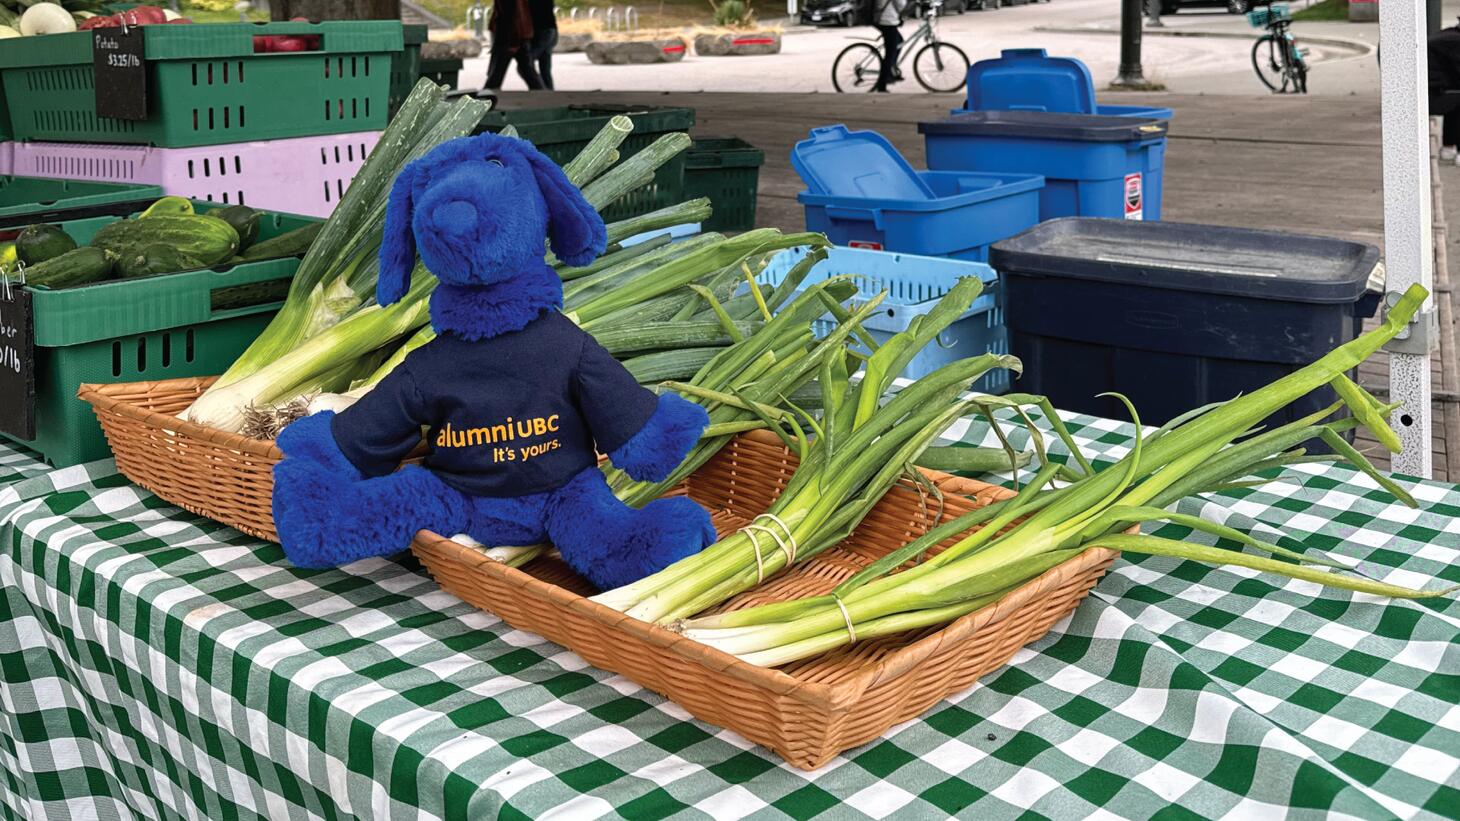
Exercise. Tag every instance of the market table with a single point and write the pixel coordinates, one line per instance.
(158, 664)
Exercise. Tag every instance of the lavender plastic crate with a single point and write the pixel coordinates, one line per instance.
(299, 175)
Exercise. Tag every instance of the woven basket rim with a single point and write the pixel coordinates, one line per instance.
(104, 397)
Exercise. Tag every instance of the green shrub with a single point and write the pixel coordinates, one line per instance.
(733, 14)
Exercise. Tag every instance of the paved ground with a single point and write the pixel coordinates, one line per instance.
(1216, 61)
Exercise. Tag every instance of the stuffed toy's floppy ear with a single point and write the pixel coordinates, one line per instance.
(575, 230)
(398, 247)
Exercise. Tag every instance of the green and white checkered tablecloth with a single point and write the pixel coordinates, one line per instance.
(17, 462)
(156, 665)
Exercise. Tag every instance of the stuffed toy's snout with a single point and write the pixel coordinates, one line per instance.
(476, 210)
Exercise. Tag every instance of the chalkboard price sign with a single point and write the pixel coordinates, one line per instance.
(119, 63)
(17, 362)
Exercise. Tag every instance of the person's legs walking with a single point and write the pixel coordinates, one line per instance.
(497, 67)
(891, 45)
(1446, 105)
(525, 69)
(543, 44)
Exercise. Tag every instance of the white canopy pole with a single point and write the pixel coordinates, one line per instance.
(1408, 249)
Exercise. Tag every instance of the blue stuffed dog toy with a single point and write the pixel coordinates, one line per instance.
(516, 399)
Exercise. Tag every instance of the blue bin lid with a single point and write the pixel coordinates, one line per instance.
(1209, 259)
(1040, 125)
(837, 162)
(1028, 79)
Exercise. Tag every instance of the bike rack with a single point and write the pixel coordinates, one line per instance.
(631, 18)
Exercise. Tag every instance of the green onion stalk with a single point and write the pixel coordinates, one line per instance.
(743, 385)
(296, 371)
(861, 447)
(337, 275)
(1210, 448)
(336, 279)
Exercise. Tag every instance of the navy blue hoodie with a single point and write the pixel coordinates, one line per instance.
(510, 415)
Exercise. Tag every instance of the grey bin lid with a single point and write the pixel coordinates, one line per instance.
(1183, 256)
(1045, 125)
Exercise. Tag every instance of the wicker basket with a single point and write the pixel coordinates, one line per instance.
(223, 476)
(809, 711)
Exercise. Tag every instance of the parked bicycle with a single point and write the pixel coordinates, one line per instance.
(938, 66)
(1279, 63)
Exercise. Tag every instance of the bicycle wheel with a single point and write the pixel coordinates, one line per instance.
(941, 67)
(856, 68)
(1269, 62)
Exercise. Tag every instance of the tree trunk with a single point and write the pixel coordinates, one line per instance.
(335, 9)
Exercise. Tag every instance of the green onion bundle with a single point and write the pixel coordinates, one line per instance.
(860, 448)
(1209, 448)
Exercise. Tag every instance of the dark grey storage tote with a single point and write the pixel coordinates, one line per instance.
(1175, 316)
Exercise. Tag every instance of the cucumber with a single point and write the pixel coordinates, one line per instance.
(170, 206)
(206, 239)
(656, 336)
(39, 243)
(291, 244)
(155, 259)
(661, 366)
(80, 266)
(244, 220)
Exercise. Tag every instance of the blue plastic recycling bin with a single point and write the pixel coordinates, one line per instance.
(1028, 79)
(862, 193)
(1093, 165)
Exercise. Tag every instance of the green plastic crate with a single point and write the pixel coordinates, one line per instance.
(405, 66)
(561, 132)
(206, 86)
(442, 72)
(727, 170)
(20, 196)
(168, 326)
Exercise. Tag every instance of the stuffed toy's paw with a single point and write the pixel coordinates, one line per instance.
(611, 544)
(661, 445)
(311, 439)
(326, 519)
(656, 536)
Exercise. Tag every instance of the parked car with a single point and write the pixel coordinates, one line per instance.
(837, 12)
(859, 12)
(1233, 6)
